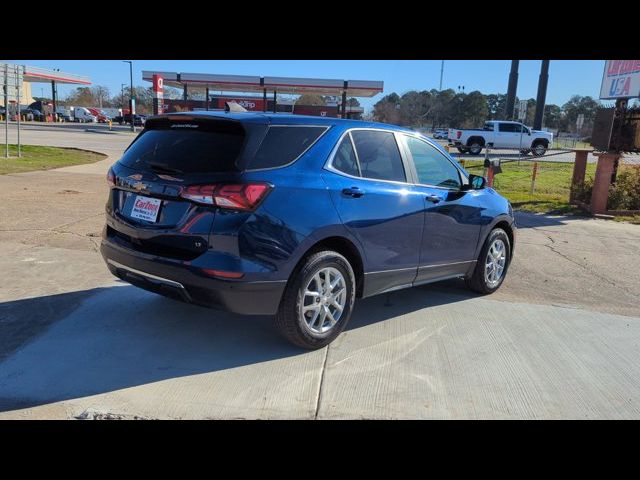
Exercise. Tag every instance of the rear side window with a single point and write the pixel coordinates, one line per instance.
(284, 144)
(187, 148)
(345, 158)
(509, 127)
(378, 155)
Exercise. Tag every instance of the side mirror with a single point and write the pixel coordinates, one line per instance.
(476, 182)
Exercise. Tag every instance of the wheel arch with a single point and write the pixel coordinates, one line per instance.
(477, 138)
(507, 226)
(345, 247)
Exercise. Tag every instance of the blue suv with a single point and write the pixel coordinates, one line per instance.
(297, 216)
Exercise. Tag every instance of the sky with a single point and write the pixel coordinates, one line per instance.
(566, 77)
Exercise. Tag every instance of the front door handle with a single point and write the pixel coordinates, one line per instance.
(354, 192)
(434, 198)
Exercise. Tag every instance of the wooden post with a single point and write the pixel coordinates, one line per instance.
(490, 176)
(534, 173)
(579, 170)
(602, 182)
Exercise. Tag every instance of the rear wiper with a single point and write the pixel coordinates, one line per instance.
(158, 167)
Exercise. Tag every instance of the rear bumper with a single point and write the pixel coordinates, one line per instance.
(178, 280)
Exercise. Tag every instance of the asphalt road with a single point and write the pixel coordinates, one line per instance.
(560, 339)
(561, 154)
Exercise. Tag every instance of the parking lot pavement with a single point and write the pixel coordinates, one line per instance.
(558, 340)
(432, 353)
(96, 139)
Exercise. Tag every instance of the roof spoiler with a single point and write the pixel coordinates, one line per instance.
(234, 107)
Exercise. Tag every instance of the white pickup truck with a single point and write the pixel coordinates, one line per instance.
(501, 134)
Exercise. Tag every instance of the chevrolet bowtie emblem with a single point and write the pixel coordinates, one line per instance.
(139, 186)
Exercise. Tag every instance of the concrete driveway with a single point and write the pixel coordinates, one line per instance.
(561, 339)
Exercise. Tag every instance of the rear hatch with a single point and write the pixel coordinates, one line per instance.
(163, 200)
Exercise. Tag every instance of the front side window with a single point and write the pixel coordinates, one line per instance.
(432, 167)
(378, 155)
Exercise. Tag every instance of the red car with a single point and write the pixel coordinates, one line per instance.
(100, 115)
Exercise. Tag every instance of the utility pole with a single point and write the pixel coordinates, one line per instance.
(542, 95)
(511, 90)
(441, 73)
(131, 96)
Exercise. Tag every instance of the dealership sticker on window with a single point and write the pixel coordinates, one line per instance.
(146, 208)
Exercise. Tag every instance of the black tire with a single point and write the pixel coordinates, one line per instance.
(288, 320)
(464, 151)
(475, 147)
(477, 281)
(539, 148)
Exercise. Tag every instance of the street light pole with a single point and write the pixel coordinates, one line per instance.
(441, 73)
(131, 97)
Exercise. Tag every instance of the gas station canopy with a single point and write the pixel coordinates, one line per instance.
(40, 75)
(249, 83)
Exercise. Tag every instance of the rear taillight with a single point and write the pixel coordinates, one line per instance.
(111, 178)
(236, 196)
(458, 134)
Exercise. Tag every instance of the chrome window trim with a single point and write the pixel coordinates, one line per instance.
(329, 163)
(325, 127)
(355, 152)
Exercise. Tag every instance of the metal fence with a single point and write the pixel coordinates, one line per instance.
(522, 175)
(530, 176)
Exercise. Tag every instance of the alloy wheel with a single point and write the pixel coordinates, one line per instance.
(324, 299)
(495, 263)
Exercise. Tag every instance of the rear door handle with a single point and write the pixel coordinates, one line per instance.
(434, 198)
(354, 192)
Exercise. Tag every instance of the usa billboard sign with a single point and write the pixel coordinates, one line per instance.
(621, 79)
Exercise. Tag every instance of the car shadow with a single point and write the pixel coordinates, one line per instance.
(103, 340)
(537, 220)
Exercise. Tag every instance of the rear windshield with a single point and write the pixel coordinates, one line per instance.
(283, 144)
(187, 147)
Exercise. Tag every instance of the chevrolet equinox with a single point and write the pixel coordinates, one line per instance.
(297, 216)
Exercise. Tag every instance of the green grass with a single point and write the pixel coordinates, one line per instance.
(635, 219)
(44, 158)
(565, 143)
(552, 187)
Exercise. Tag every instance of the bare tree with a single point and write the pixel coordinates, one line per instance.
(101, 96)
